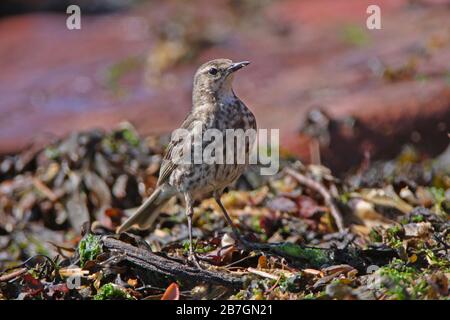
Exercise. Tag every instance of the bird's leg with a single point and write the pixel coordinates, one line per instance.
(189, 214)
(236, 232)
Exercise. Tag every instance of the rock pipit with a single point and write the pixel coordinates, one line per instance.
(215, 106)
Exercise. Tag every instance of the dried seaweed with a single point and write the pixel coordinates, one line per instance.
(381, 232)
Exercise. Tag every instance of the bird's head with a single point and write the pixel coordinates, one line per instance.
(213, 79)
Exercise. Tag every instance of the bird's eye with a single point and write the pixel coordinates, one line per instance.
(213, 71)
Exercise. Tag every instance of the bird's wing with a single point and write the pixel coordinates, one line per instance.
(174, 150)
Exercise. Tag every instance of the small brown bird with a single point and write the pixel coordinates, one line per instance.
(215, 106)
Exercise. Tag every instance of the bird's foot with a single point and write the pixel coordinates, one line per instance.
(194, 259)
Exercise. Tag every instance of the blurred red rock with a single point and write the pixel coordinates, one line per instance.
(305, 54)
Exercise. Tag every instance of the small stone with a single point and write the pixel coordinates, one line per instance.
(419, 229)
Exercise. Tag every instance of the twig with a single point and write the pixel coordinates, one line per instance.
(13, 275)
(24, 264)
(317, 186)
(44, 190)
(148, 260)
(262, 273)
(70, 272)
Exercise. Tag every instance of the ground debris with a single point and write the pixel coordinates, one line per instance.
(309, 235)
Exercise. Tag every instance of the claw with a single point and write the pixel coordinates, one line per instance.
(194, 259)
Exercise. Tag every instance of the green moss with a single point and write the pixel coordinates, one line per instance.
(131, 137)
(109, 143)
(51, 152)
(255, 224)
(394, 231)
(290, 284)
(393, 236)
(438, 193)
(198, 247)
(435, 260)
(403, 282)
(439, 199)
(316, 257)
(375, 236)
(89, 248)
(111, 292)
(239, 296)
(315, 296)
(257, 294)
(344, 197)
(409, 154)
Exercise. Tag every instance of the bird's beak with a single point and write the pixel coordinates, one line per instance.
(238, 65)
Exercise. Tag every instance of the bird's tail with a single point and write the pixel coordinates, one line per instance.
(147, 213)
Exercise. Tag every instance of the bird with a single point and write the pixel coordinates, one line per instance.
(214, 106)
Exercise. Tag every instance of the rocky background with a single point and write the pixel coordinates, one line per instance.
(85, 116)
(367, 93)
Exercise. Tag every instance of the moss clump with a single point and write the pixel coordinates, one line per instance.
(198, 247)
(375, 236)
(316, 257)
(440, 201)
(290, 284)
(418, 218)
(393, 236)
(111, 292)
(130, 136)
(403, 282)
(89, 248)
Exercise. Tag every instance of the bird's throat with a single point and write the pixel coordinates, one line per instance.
(223, 96)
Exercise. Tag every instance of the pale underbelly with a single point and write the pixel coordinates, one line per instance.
(203, 179)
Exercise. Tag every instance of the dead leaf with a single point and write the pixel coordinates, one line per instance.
(439, 282)
(132, 282)
(282, 204)
(172, 292)
(313, 272)
(262, 262)
(262, 273)
(33, 285)
(308, 207)
(341, 268)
